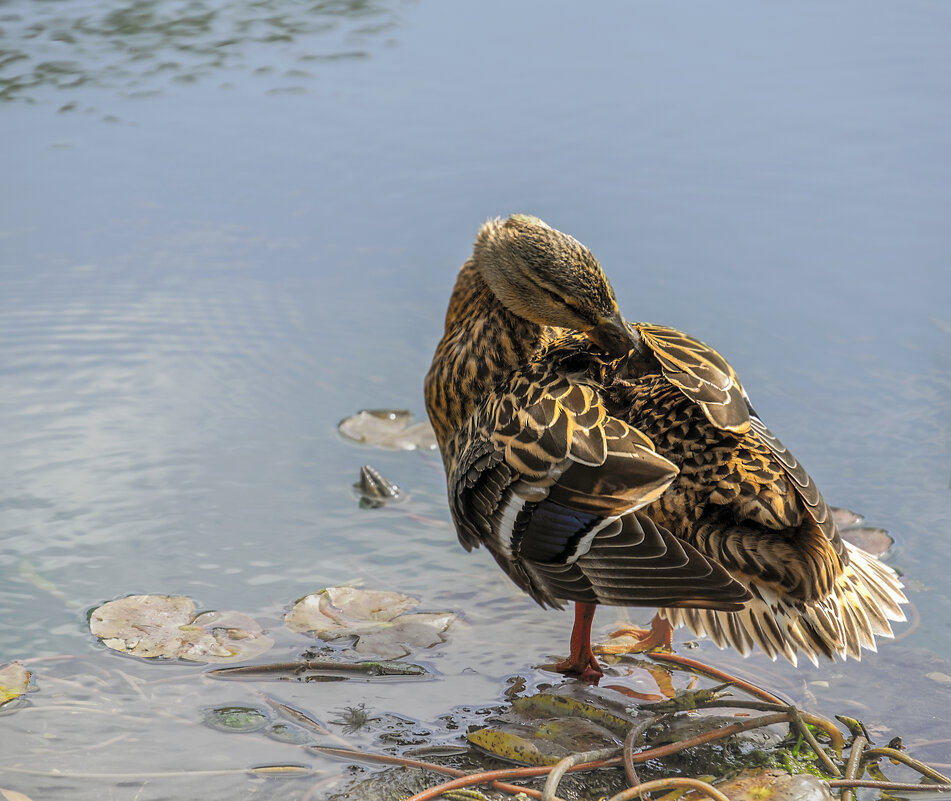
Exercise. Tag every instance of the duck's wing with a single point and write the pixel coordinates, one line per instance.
(548, 481)
(802, 483)
(701, 373)
(705, 377)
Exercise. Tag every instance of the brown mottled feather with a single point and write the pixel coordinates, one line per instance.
(644, 481)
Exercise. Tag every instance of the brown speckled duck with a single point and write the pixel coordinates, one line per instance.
(602, 462)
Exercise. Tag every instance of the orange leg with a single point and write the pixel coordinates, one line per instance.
(581, 663)
(659, 636)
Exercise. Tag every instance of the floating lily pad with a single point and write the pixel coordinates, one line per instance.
(392, 429)
(165, 626)
(380, 621)
(14, 681)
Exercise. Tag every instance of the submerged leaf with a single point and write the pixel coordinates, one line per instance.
(845, 517)
(515, 744)
(388, 428)
(544, 728)
(235, 718)
(165, 626)
(875, 541)
(551, 705)
(14, 681)
(773, 785)
(544, 743)
(379, 620)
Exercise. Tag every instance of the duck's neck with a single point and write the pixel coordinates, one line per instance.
(483, 344)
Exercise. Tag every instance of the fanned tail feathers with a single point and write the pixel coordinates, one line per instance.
(865, 598)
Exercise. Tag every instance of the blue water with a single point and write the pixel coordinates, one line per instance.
(224, 227)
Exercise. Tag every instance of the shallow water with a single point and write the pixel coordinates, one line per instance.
(225, 227)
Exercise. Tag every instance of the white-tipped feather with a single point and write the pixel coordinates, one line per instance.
(866, 596)
(510, 511)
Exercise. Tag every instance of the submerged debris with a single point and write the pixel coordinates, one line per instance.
(375, 490)
(323, 670)
(354, 718)
(876, 541)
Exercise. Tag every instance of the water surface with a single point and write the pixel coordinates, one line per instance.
(226, 226)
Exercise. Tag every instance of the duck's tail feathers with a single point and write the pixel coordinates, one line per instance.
(865, 598)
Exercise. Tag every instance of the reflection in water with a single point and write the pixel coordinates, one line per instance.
(142, 47)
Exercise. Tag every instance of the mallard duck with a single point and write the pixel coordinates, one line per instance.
(602, 462)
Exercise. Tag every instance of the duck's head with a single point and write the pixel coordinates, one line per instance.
(551, 279)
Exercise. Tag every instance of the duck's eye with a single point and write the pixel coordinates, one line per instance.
(557, 299)
(580, 312)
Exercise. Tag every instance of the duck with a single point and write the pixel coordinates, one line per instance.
(602, 462)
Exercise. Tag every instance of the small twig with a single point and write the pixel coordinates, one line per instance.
(838, 741)
(902, 786)
(628, 753)
(303, 719)
(739, 703)
(852, 766)
(369, 756)
(911, 762)
(462, 779)
(491, 776)
(668, 784)
(706, 737)
(135, 684)
(925, 743)
(715, 673)
(56, 658)
(855, 726)
(300, 669)
(263, 770)
(908, 630)
(554, 778)
(803, 729)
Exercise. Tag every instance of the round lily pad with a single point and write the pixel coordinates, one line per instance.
(165, 626)
(392, 429)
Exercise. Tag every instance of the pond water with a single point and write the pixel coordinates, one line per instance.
(226, 226)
